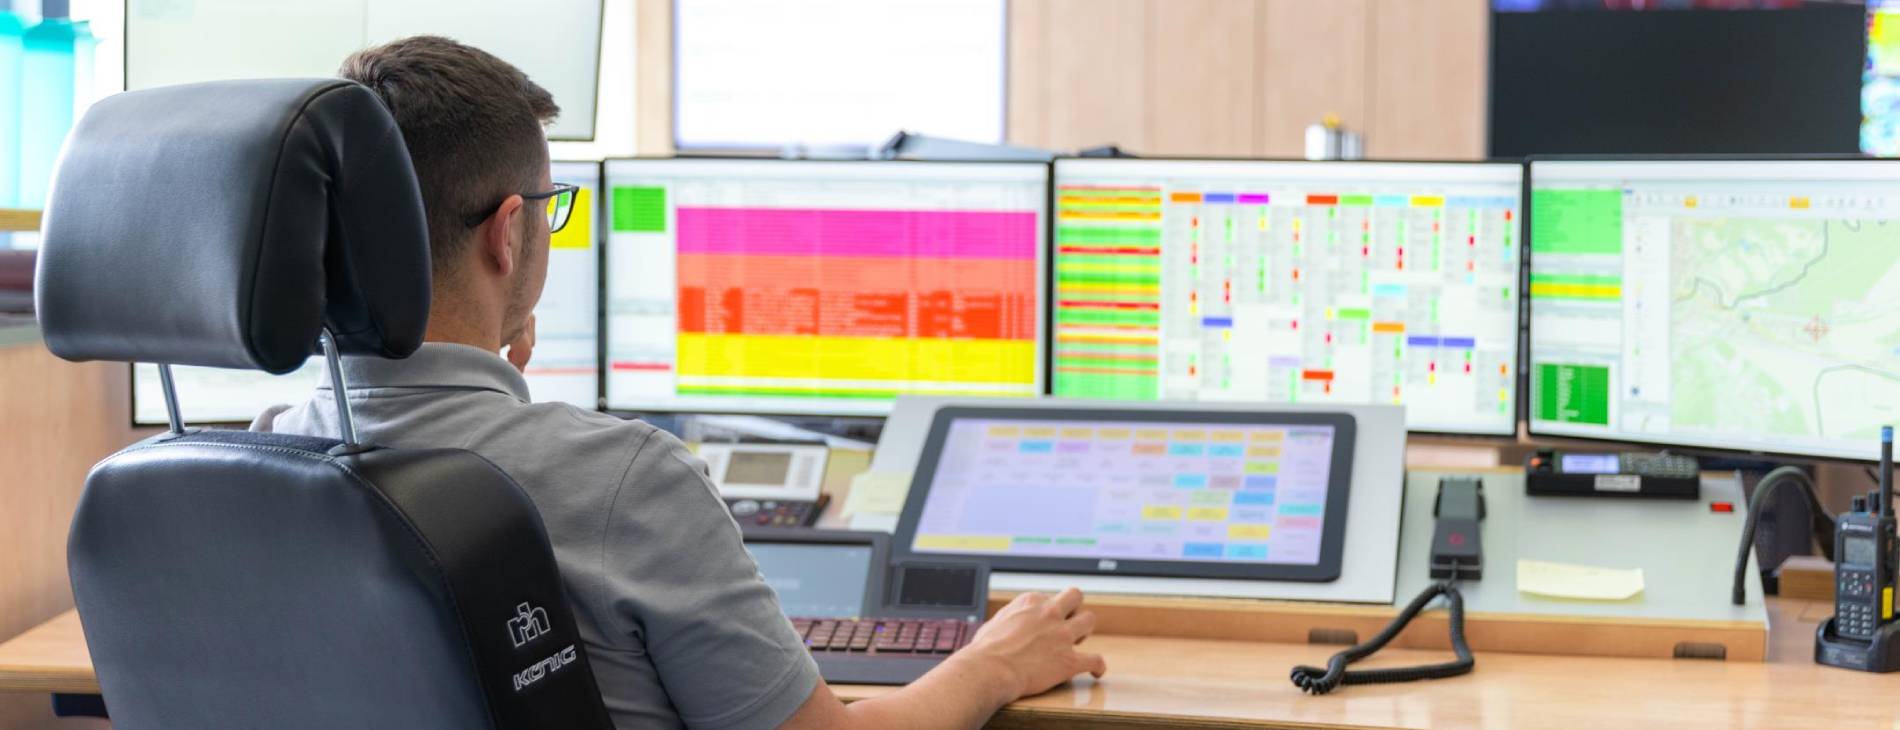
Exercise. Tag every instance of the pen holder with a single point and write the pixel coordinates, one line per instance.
(1880, 655)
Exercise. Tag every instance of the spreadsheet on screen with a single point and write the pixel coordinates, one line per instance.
(821, 287)
(1291, 282)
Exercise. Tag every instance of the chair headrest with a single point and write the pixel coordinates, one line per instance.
(225, 223)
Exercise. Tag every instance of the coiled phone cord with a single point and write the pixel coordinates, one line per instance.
(1317, 681)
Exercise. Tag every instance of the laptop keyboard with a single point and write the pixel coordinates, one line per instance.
(885, 636)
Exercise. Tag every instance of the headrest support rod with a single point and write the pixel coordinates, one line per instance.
(171, 399)
(335, 363)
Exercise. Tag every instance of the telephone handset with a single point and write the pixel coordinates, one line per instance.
(1456, 555)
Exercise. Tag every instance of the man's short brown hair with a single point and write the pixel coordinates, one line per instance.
(473, 124)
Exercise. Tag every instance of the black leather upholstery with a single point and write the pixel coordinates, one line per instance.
(216, 215)
(230, 579)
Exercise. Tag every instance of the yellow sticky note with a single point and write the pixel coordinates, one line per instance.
(1588, 582)
(579, 231)
(878, 493)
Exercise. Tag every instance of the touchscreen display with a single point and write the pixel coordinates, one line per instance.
(815, 581)
(1217, 492)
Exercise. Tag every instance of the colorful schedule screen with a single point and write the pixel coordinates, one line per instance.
(1738, 305)
(1158, 491)
(821, 287)
(1292, 282)
(565, 367)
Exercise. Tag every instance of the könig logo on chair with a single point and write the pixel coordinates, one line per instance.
(529, 623)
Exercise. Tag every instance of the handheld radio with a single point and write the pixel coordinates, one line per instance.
(1863, 635)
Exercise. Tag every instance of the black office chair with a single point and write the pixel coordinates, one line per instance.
(229, 579)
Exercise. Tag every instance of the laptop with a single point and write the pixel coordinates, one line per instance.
(865, 620)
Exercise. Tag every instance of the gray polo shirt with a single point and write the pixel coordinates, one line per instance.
(680, 628)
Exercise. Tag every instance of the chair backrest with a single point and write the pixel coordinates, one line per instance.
(228, 579)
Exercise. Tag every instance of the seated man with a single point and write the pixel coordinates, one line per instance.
(681, 629)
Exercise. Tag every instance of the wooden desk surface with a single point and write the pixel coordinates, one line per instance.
(1155, 682)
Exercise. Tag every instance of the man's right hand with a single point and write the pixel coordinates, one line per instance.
(1033, 641)
(1026, 649)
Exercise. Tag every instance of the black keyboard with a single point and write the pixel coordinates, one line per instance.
(881, 651)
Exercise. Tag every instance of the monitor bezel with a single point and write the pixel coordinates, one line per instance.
(1043, 274)
(1333, 527)
(1530, 423)
(1519, 414)
(600, 318)
(874, 584)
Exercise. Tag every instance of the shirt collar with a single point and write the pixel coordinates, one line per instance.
(434, 365)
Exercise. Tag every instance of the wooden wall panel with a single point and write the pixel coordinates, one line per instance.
(56, 420)
(1095, 64)
(653, 77)
(1189, 77)
(1313, 61)
(1202, 77)
(1025, 71)
(1430, 79)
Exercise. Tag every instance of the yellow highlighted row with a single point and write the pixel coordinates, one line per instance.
(1071, 214)
(1577, 291)
(963, 542)
(1109, 289)
(1108, 268)
(1248, 532)
(857, 358)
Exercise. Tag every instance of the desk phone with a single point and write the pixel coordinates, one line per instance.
(1631, 474)
(771, 485)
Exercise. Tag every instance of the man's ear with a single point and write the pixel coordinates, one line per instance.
(497, 241)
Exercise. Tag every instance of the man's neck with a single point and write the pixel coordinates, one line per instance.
(462, 322)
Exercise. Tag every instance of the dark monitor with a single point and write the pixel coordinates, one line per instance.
(1579, 77)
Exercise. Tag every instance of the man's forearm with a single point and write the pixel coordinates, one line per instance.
(962, 692)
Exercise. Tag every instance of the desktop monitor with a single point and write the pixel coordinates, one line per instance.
(566, 358)
(1345, 282)
(1734, 305)
(821, 287)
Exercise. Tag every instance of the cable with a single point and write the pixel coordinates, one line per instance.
(1823, 522)
(1317, 681)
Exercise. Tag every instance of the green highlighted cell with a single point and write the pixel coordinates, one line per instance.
(1107, 386)
(1355, 200)
(1577, 221)
(639, 210)
(1352, 313)
(1116, 278)
(1107, 316)
(1120, 235)
(1573, 393)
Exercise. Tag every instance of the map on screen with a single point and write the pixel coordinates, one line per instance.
(1735, 305)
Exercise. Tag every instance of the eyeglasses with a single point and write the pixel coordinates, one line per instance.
(560, 204)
